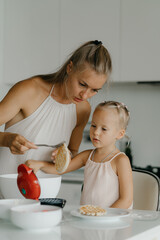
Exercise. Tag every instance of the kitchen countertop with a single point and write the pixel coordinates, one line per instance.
(132, 228)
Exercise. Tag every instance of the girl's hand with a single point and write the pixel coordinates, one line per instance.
(34, 165)
(18, 144)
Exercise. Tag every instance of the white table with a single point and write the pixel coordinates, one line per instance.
(78, 229)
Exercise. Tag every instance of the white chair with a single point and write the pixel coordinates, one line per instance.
(146, 188)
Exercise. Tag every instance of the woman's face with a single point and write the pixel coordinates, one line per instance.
(84, 84)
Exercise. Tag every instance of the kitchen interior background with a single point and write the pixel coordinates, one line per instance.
(143, 100)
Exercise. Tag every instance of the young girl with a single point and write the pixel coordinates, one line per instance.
(49, 109)
(107, 173)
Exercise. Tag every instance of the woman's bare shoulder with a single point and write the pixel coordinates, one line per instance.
(84, 105)
(19, 91)
(83, 111)
(29, 87)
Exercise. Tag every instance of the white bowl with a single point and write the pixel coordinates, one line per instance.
(49, 183)
(36, 217)
(7, 204)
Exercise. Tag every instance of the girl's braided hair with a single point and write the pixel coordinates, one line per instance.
(122, 110)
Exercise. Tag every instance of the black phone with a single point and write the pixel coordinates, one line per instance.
(59, 202)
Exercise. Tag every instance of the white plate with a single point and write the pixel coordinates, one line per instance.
(95, 225)
(112, 214)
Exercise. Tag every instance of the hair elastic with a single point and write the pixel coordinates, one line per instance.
(96, 42)
(125, 106)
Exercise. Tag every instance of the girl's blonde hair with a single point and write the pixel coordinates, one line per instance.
(92, 53)
(122, 110)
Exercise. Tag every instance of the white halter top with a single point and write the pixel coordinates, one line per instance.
(51, 123)
(101, 185)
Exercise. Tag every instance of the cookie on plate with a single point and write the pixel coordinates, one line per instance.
(91, 210)
(62, 159)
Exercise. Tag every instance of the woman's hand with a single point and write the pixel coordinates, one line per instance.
(54, 153)
(17, 143)
(34, 165)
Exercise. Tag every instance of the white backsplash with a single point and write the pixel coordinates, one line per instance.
(144, 128)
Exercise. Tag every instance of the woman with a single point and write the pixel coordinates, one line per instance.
(51, 108)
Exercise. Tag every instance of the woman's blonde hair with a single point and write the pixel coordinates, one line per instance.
(122, 110)
(92, 53)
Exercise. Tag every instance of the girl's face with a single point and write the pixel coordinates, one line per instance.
(81, 85)
(105, 130)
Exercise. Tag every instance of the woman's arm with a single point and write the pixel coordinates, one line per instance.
(11, 110)
(124, 172)
(83, 112)
(49, 167)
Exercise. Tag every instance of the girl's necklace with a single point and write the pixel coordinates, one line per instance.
(105, 156)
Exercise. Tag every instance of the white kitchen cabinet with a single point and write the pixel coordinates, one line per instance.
(140, 40)
(87, 20)
(31, 38)
(37, 36)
